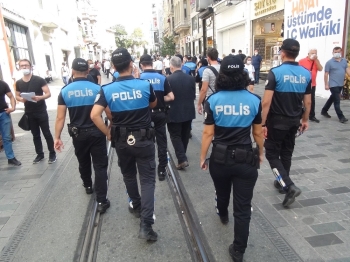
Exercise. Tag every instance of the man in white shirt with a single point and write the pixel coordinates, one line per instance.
(166, 65)
(65, 73)
(107, 67)
(158, 65)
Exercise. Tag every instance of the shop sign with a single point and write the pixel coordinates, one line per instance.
(266, 7)
(315, 24)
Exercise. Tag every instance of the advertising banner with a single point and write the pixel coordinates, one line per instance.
(316, 24)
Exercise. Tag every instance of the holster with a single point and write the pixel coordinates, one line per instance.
(256, 158)
(220, 153)
(122, 134)
(151, 134)
(113, 136)
(73, 131)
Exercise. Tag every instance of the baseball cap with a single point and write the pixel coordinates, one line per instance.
(231, 64)
(120, 55)
(291, 45)
(146, 58)
(80, 65)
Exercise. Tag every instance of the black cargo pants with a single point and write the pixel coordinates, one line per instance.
(159, 120)
(142, 156)
(92, 145)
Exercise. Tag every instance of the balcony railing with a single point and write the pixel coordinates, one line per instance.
(182, 25)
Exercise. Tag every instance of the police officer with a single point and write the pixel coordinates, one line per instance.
(164, 94)
(89, 142)
(129, 100)
(230, 113)
(287, 88)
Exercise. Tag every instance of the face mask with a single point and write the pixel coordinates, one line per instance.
(312, 57)
(249, 62)
(337, 55)
(91, 66)
(25, 71)
(256, 53)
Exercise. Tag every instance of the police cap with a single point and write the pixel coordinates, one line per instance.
(231, 64)
(80, 65)
(120, 55)
(180, 56)
(291, 45)
(146, 58)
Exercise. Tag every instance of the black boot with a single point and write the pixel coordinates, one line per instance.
(146, 232)
(135, 211)
(235, 255)
(279, 187)
(161, 173)
(292, 193)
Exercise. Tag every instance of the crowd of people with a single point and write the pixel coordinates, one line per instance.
(143, 102)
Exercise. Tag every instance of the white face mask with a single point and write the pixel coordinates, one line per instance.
(249, 62)
(337, 55)
(312, 57)
(25, 71)
(91, 66)
(256, 53)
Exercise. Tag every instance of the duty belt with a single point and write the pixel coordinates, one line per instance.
(154, 110)
(131, 136)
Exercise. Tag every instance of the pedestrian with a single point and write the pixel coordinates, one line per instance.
(36, 109)
(182, 110)
(208, 78)
(312, 64)
(202, 64)
(107, 67)
(191, 65)
(94, 72)
(251, 70)
(256, 62)
(334, 74)
(158, 65)
(287, 90)
(233, 52)
(103, 65)
(241, 55)
(129, 100)
(65, 73)
(166, 65)
(89, 142)
(5, 122)
(164, 94)
(184, 68)
(233, 162)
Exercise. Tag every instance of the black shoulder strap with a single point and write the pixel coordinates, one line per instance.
(216, 73)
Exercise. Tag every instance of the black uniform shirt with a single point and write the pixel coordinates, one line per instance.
(290, 82)
(35, 84)
(232, 113)
(128, 99)
(79, 97)
(4, 89)
(160, 85)
(94, 73)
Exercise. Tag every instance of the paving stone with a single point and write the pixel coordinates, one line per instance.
(305, 231)
(306, 170)
(328, 252)
(279, 206)
(312, 202)
(323, 240)
(323, 144)
(316, 193)
(31, 176)
(309, 220)
(339, 206)
(306, 211)
(346, 160)
(299, 158)
(3, 220)
(336, 149)
(336, 198)
(8, 207)
(317, 155)
(314, 136)
(343, 259)
(338, 190)
(330, 217)
(327, 228)
(341, 139)
(347, 213)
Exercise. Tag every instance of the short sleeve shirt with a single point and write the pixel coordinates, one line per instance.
(209, 76)
(94, 73)
(311, 66)
(336, 70)
(4, 89)
(35, 84)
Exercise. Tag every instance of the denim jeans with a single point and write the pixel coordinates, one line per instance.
(257, 75)
(334, 98)
(5, 131)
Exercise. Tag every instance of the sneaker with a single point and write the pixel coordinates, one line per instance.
(146, 232)
(343, 120)
(224, 219)
(292, 193)
(182, 165)
(325, 114)
(88, 190)
(52, 159)
(14, 162)
(314, 119)
(279, 187)
(161, 174)
(136, 212)
(103, 206)
(38, 159)
(235, 255)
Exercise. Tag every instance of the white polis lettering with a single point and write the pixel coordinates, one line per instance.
(154, 81)
(135, 94)
(233, 110)
(233, 66)
(294, 79)
(80, 93)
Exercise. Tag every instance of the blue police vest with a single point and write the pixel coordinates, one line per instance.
(201, 70)
(291, 78)
(127, 95)
(191, 65)
(157, 80)
(234, 108)
(186, 70)
(80, 93)
(116, 74)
